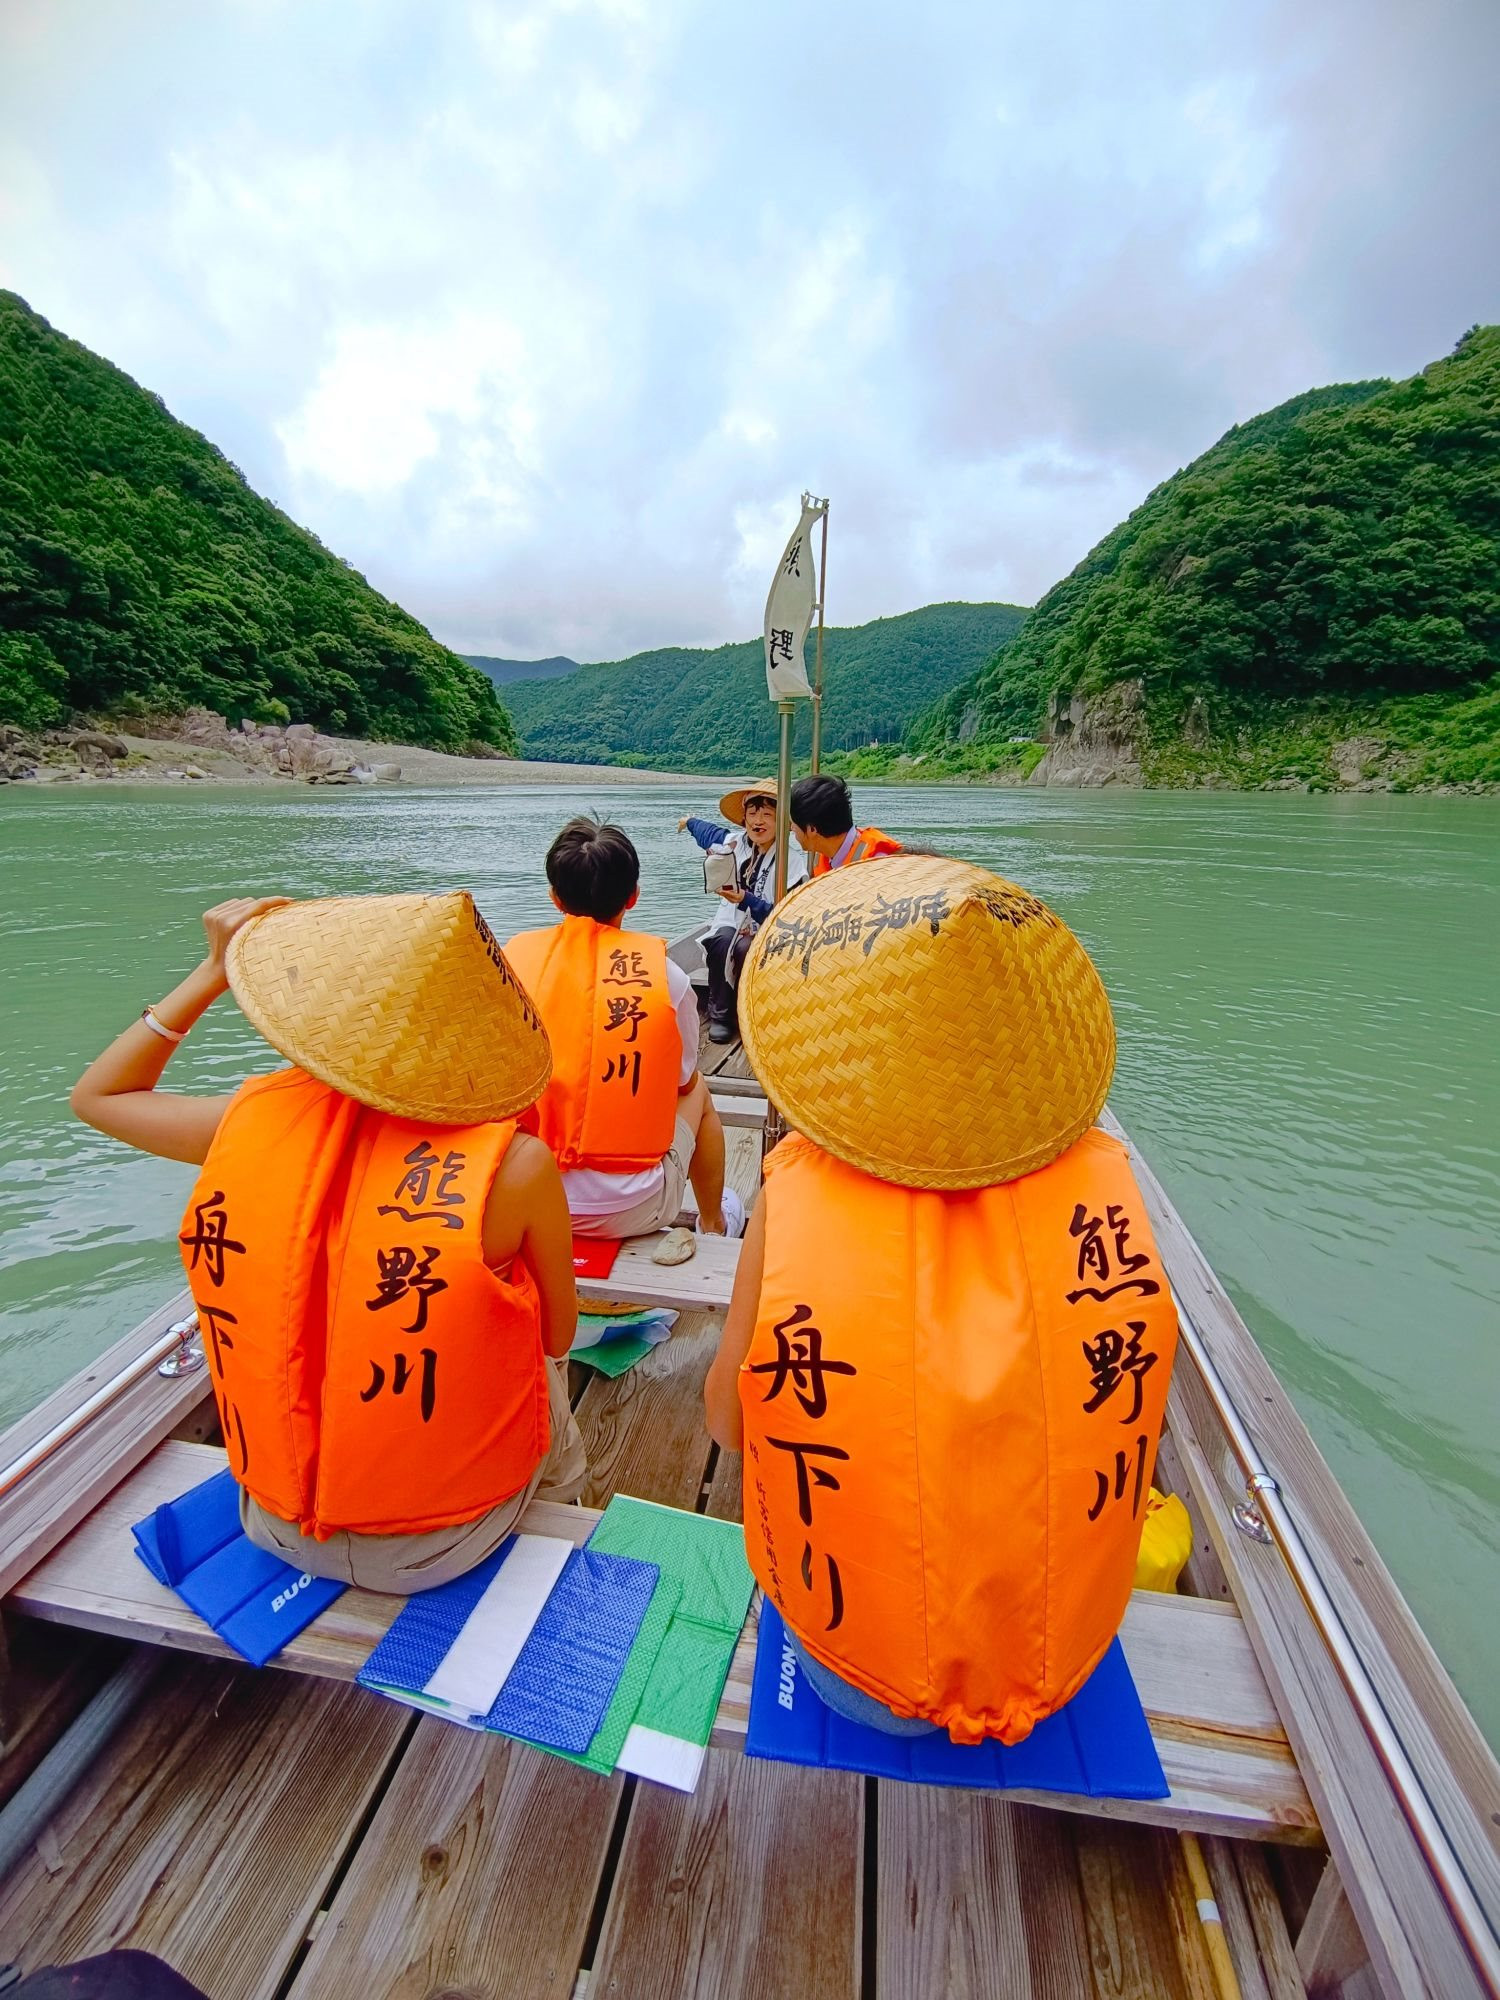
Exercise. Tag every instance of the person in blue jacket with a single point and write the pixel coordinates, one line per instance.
(750, 839)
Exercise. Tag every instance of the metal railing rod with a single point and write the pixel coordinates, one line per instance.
(1265, 1496)
(27, 1461)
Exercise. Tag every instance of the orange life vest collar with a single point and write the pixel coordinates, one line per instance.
(603, 997)
(869, 842)
(951, 1407)
(371, 1372)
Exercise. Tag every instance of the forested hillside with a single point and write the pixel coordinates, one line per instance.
(687, 709)
(1339, 553)
(139, 573)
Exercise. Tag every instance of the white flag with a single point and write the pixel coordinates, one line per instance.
(789, 609)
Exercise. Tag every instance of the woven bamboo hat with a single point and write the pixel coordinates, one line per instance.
(927, 1022)
(405, 1003)
(732, 805)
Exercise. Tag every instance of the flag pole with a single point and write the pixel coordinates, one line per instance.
(788, 714)
(817, 705)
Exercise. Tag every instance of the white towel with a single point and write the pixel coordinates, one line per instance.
(475, 1666)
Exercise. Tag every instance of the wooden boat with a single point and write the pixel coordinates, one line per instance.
(1333, 1825)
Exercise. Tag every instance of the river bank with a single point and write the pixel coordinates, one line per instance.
(202, 751)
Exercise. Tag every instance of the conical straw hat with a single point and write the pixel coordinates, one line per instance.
(732, 805)
(927, 1022)
(405, 1003)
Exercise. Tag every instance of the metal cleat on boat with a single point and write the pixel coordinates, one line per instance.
(189, 1357)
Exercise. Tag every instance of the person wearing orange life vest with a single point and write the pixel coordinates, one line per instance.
(381, 1262)
(823, 815)
(627, 1115)
(947, 1354)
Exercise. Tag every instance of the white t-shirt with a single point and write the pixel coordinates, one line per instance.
(592, 1193)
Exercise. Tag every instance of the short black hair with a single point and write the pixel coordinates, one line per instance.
(594, 869)
(822, 805)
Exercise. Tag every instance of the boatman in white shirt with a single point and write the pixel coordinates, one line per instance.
(750, 840)
(627, 1114)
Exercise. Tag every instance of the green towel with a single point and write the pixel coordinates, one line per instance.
(705, 1558)
(613, 1357)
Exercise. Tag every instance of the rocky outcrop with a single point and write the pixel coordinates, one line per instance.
(1095, 739)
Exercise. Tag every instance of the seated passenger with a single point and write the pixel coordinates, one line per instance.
(750, 840)
(947, 1353)
(626, 1115)
(823, 817)
(382, 1264)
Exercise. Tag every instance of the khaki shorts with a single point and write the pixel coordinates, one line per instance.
(403, 1564)
(658, 1211)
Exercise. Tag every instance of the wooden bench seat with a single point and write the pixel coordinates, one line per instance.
(1222, 1746)
(703, 1283)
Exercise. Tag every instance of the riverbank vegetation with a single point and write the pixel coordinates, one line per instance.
(139, 575)
(686, 708)
(1327, 574)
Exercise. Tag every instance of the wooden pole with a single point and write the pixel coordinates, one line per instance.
(788, 712)
(817, 707)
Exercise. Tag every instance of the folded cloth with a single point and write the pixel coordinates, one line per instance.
(594, 1256)
(705, 1559)
(558, 1690)
(652, 1324)
(254, 1601)
(532, 1642)
(1098, 1744)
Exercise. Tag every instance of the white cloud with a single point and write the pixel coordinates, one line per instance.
(542, 312)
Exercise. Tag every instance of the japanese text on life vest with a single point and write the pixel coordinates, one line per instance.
(1118, 1358)
(406, 1274)
(801, 1366)
(212, 1246)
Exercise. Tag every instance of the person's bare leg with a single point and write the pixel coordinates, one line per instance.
(706, 1168)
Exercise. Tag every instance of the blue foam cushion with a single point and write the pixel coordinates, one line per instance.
(568, 1669)
(186, 1531)
(1098, 1745)
(427, 1625)
(254, 1601)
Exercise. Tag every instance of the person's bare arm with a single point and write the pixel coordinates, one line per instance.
(117, 1093)
(527, 1215)
(721, 1392)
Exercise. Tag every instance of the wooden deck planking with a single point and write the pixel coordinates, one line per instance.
(207, 1831)
(1414, 1943)
(1141, 1916)
(976, 1898)
(49, 1677)
(478, 1876)
(644, 1432)
(750, 1887)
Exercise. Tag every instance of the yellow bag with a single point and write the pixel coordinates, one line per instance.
(1166, 1542)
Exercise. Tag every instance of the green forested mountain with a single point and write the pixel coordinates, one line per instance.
(139, 573)
(690, 709)
(1342, 550)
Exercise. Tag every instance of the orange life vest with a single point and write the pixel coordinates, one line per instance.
(372, 1373)
(869, 842)
(603, 997)
(951, 1406)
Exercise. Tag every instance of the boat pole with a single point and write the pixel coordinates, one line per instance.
(37, 1800)
(817, 706)
(788, 714)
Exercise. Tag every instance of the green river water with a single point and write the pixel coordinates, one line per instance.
(1308, 998)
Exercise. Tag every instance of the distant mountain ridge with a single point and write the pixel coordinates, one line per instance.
(705, 709)
(503, 672)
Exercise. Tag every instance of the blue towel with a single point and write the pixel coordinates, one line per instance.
(426, 1626)
(565, 1675)
(563, 1680)
(1098, 1745)
(254, 1601)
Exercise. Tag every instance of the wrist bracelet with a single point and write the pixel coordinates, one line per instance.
(160, 1028)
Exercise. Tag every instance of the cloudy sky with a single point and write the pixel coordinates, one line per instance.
(543, 312)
